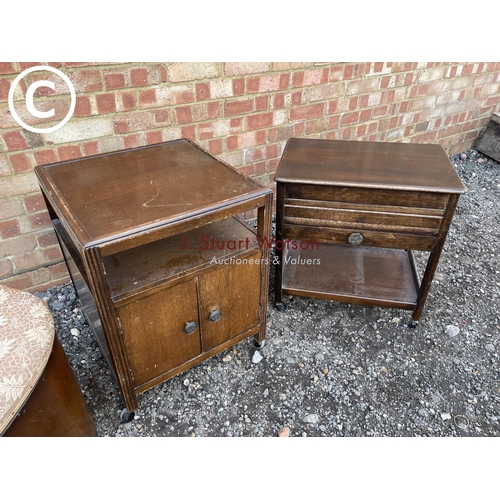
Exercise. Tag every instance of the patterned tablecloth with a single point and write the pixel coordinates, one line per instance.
(26, 339)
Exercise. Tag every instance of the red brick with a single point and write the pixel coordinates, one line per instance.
(115, 81)
(306, 112)
(184, 114)
(278, 101)
(332, 107)
(34, 203)
(78, 64)
(272, 164)
(189, 132)
(52, 254)
(45, 157)
(348, 72)
(253, 84)
(297, 98)
(40, 220)
(206, 131)
(333, 122)
(59, 270)
(238, 107)
(9, 228)
(202, 91)
(6, 267)
(20, 162)
(90, 148)
(69, 153)
(162, 116)
(131, 141)
(106, 103)
(262, 103)
(47, 239)
(83, 106)
(297, 79)
(147, 97)
(17, 245)
(7, 68)
(365, 115)
(86, 80)
(5, 84)
(215, 147)
(127, 101)
(263, 120)
(349, 118)
(139, 77)
(153, 137)
(15, 141)
(238, 86)
(19, 282)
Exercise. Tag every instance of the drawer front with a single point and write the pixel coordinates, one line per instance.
(369, 238)
(394, 219)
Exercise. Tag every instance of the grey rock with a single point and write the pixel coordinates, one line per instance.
(490, 347)
(257, 357)
(312, 418)
(452, 330)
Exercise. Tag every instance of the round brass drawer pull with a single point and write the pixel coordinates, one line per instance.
(355, 239)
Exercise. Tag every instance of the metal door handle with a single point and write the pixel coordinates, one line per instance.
(215, 316)
(190, 327)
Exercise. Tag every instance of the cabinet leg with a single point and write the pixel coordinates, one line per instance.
(259, 345)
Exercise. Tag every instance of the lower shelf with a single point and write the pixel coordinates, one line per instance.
(361, 275)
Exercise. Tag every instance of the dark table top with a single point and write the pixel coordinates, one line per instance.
(403, 166)
(107, 196)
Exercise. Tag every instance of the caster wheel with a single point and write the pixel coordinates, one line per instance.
(413, 324)
(126, 416)
(259, 346)
(281, 307)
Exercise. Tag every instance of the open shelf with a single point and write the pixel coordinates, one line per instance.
(363, 275)
(134, 271)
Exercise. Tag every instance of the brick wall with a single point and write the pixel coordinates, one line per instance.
(240, 112)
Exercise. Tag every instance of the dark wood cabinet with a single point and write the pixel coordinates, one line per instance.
(358, 210)
(166, 268)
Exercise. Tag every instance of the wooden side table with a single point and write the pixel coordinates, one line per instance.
(349, 214)
(167, 271)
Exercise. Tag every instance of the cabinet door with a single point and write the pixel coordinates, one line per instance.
(154, 334)
(230, 293)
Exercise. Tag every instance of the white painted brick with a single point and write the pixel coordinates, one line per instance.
(4, 166)
(280, 116)
(183, 72)
(171, 133)
(233, 158)
(220, 89)
(110, 144)
(89, 128)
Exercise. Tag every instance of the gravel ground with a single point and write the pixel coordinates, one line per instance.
(332, 369)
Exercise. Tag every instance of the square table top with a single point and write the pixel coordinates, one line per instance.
(107, 196)
(383, 165)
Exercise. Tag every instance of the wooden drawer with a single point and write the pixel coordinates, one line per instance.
(388, 218)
